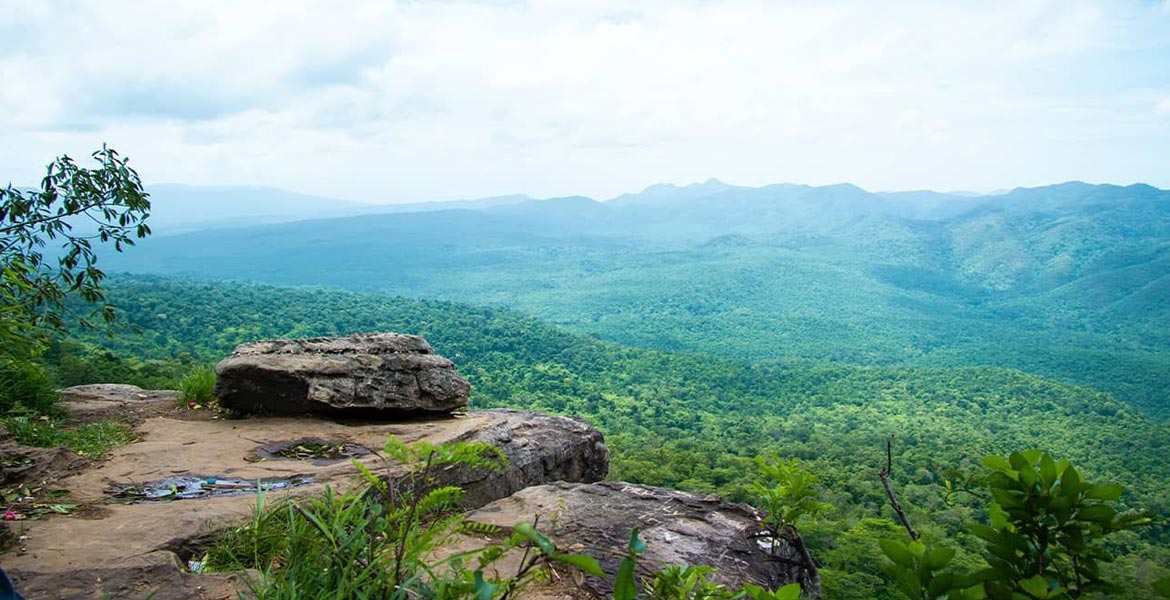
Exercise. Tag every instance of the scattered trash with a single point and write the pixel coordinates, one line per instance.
(307, 450)
(21, 502)
(195, 566)
(16, 462)
(315, 450)
(188, 487)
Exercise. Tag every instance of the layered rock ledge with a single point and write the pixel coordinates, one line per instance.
(383, 375)
(679, 528)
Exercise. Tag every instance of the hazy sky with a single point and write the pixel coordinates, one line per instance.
(383, 101)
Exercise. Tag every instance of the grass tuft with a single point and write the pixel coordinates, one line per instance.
(93, 440)
(198, 385)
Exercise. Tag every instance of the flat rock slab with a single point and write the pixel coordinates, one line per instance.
(363, 375)
(679, 528)
(110, 398)
(103, 552)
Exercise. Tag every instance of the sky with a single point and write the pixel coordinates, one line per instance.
(382, 101)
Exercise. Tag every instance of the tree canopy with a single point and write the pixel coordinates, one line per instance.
(75, 207)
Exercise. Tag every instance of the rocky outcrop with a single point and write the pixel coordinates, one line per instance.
(128, 550)
(132, 547)
(110, 398)
(678, 528)
(363, 375)
(540, 449)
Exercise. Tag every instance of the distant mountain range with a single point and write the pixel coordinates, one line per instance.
(184, 208)
(1070, 281)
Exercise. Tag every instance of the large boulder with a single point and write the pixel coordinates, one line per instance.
(366, 375)
(679, 528)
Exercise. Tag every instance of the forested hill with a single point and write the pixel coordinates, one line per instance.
(1069, 281)
(686, 420)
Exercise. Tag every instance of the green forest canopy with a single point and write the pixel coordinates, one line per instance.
(687, 420)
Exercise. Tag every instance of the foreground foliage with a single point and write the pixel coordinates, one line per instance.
(1044, 538)
(385, 540)
(26, 388)
(75, 207)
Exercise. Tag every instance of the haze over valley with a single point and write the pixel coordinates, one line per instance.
(1067, 281)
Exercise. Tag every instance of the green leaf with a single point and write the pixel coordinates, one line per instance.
(897, 553)
(940, 585)
(624, 587)
(529, 531)
(984, 532)
(483, 590)
(1036, 586)
(1107, 492)
(1162, 587)
(1048, 472)
(637, 546)
(996, 463)
(584, 562)
(788, 592)
(1098, 513)
(938, 557)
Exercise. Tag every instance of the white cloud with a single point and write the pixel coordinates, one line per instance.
(422, 100)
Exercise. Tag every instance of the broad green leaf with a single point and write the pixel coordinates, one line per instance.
(1097, 513)
(940, 585)
(581, 561)
(1036, 586)
(788, 592)
(997, 463)
(527, 530)
(1032, 456)
(897, 553)
(483, 590)
(938, 557)
(1107, 492)
(637, 546)
(1019, 462)
(1047, 471)
(624, 587)
(984, 532)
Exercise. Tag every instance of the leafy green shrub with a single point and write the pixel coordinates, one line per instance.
(373, 542)
(1046, 527)
(1043, 540)
(26, 388)
(197, 385)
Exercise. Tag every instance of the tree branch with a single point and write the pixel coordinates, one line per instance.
(884, 475)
